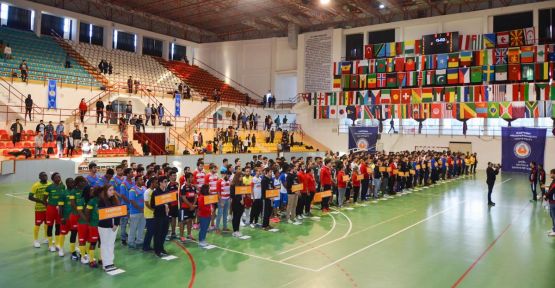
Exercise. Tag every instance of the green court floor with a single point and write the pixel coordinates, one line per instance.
(442, 236)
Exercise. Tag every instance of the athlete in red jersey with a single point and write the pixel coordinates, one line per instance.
(211, 179)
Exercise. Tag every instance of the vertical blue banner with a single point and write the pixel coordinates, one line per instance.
(520, 146)
(363, 138)
(52, 93)
(177, 104)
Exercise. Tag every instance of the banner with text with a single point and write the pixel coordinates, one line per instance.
(52, 94)
(177, 104)
(363, 138)
(520, 146)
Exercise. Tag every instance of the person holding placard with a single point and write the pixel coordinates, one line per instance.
(326, 182)
(256, 196)
(292, 196)
(303, 195)
(148, 213)
(75, 202)
(161, 217)
(342, 180)
(377, 179)
(136, 213)
(211, 179)
(310, 183)
(223, 191)
(173, 187)
(204, 215)
(237, 201)
(37, 195)
(266, 184)
(107, 228)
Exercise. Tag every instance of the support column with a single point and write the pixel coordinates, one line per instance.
(75, 30)
(108, 37)
(139, 47)
(166, 50)
(37, 22)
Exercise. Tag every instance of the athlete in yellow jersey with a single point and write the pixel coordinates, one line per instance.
(37, 195)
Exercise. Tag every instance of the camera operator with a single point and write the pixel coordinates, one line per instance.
(491, 172)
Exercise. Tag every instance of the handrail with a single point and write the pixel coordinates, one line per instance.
(21, 97)
(48, 75)
(152, 144)
(226, 77)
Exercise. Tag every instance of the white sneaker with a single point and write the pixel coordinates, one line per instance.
(45, 241)
(52, 248)
(298, 222)
(85, 259)
(299, 217)
(252, 225)
(551, 234)
(290, 221)
(61, 252)
(238, 234)
(202, 244)
(36, 244)
(242, 224)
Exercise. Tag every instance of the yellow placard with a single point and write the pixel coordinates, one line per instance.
(165, 198)
(389, 169)
(206, 167)
(346, 178)
(326, 193)
(412, 172)
(210, 199)
(297, 187)
(382, 169)
(317, 198)
(242, 190)
(272, 193)
(395, 172)
(360, 177)
(112, 212)
(424, 166)
(418, 167)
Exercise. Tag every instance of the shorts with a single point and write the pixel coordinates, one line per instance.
(283, 198)
(87, 233)
(52, 215)
(174, 211)
(70, 225)
(40, 217)
(186, 214)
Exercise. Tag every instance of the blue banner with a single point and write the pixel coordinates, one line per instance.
(177, 104)
(52, 93)
(363, 138)
(520, 146)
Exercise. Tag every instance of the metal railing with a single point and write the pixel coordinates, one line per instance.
(62, 79)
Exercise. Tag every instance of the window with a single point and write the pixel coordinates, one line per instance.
(545, 26)
(152, 47)
(382, 36)
(124, 41)
(19, 18)
(514, 21)
(353, 47)
(178, 52)
(51, 23)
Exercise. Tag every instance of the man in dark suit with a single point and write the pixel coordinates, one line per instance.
(491, 172)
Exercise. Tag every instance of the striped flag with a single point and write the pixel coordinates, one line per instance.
(532, 109)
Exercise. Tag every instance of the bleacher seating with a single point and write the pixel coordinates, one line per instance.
(143, 68)
(44, 57)
(204, 83)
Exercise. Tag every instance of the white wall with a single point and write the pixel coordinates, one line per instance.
(285, 86)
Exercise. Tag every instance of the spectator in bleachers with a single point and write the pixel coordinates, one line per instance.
(68, 61)
(40, 127)
(133, 120)
(140, 123)
(109, 112)
(76, 135)
(153, 113)
(245, 145)
(187, 92)
(256, 121)
(277, 121)
(130, 85)
(272, 135)
(195, 139)
(110, 68)
(146, 148)
(60, 141)
(8, 52)
(148, 113)
(253, 140)
(251, 121)
(82, 110)
(99, 111)
(28, 107)
(49, 132)
(200, 139)
(121, 125)
(239, 118)
(39, 143)
(16, 129)
(160, 113)
(24, 69)
(136, 83)
(111, 142)
(244, 121)
(128, 111)
(70, 145)
(85, 146)
(60, 128)
(117, 142)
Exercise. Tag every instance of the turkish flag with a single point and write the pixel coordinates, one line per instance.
(368, 51)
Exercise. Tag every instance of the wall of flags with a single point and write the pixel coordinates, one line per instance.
(497, 75)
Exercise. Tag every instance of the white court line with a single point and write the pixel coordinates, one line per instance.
(18, 197)
(308, 243)
(291, 282)
(384, 239)
(381, 223)
(327, 243)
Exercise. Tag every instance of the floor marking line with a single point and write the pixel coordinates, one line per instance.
(386, 238)
(291, 282)
(323, 244)
(315, 240)
(14, 196)
(193, 264)
(381, 223)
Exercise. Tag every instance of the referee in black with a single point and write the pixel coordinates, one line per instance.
(491, 172)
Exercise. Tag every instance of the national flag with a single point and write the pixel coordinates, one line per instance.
(477, 42)
(465, 42)
(442, 60)
(513, 55)
(501, 72)
(391, 111)
(389, 65)
(439, 94)
(406, 96)
(371, 81)
(488, 92)
(482, 110)
(354, 81)
(450, 94)
(465, 58)
(415, 111)
(381, 65)
(417, 46)
(528, 54)
(488, 73)
(453, 76)
(480, 93)
(430, 78)
(390, 49)
(529, 36)
(489, 40)
(399, 64)
(427, 95)
(478, 57)
(431, 62)
(453, 60)
(410, 63)
(441, 77)
(527, 92)
(361, 97)
(321, 112)
(361, 66)
(352, 112)
(449, 110)
(542, 92)
(366, 112)
(420, 78)
(403, 111)
(516, 38)
(528, 73)
(376, 97)
(396, 96)
(503, 39)
(379, 50)
(336, 81)
(464, 75)
(541, 54)
(463, 94)
(336, 68)
(380, 111)
(346, 67)
(386, 96)
(320, 99)
(519, 110)
(409, 47)
(368, 51)
(421, 111)
(498, 93)
(346, 81)
(501, 56)
(476, 74)
(416, 95)
(402, 79)
(371, 66)
(489, 58)
(546, 109)
(391, 80)
(336, 110)
(362, 78)
(532, 109)
(382, 79)
(506, 110)
(466, 110)
(399, 48)
(411, 79)
(514, 72)
(493, 110)
(437, 110)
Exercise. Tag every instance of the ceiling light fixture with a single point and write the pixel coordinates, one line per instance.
(324, 2)
(381, 6)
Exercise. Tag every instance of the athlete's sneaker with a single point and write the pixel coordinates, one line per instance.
(75, 256)
(202, 244)
(52, 248)
(45, 241)
(85, 259)
(93, 264)
(190, 237)
(109, 268)
(61, 252)
(237, 234)
(252, 225)
(183, 239)
(551, 234)
(298, 222)
(299, 217)
(290, 221)
(36, 244)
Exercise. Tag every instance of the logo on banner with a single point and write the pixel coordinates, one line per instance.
(52, 94)
(522, 150)
(362, 143)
